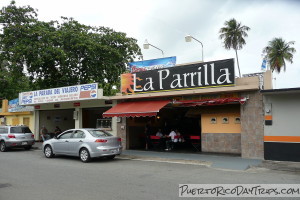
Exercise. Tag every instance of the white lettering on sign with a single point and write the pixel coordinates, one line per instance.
(184, 80)
(70, 93)
(161, 77)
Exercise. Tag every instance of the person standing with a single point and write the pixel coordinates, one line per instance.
(147, 135)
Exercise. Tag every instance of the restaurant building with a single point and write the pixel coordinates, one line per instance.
(204, 99)
(281, 127)
(79, 106)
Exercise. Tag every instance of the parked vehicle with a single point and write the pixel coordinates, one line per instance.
(15, 136)
(85, 143)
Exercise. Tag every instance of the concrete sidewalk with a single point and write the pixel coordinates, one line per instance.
(215, 161)
(227, 162)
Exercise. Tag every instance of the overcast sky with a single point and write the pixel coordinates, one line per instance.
(165, 23)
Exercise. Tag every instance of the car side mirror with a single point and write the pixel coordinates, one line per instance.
(55, 137)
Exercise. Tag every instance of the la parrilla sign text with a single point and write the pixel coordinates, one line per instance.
(201, 75)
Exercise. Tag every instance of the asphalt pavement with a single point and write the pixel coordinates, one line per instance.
(28, 175)
(216, 161)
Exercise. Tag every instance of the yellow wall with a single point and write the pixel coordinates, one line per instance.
(19, 120)
(219, 127)
(4, 105)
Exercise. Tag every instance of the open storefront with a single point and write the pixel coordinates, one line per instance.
(191, 118)
(63, 118)
(69, 107)
(199, 99)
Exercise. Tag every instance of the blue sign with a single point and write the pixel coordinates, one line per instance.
(13, 106)
(264, 65)
(146, 65)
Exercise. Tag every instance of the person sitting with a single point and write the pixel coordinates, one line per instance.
(178, 137)
(44, 134)
(169, 143)
(159, 133)
(57, 131)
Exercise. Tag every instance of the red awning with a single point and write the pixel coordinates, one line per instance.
(136, 109)
(210, 102)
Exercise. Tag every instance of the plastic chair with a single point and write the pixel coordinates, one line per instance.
(155, 141)
(196, 142)
(178, 138)
(177, 142)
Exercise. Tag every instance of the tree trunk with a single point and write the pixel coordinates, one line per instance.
(237, 59)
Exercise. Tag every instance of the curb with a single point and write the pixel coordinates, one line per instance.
(281, 165)
(156, 159)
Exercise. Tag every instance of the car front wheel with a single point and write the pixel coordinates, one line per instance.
(3, 147)
(84, 155)
(48, 152)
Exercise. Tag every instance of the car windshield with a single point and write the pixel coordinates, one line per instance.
(20, 130)
(99, 133)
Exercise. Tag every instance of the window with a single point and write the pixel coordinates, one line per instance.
(225, 120)
(213, 120)
(15, 121)
(237, 120)
(66, 135)
(104, 123)
(79, 134)
(26, 121)
(3, 130)
(20, 129)
(99, 133)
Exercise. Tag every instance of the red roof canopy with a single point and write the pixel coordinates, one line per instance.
(136, 109)
(210, 102)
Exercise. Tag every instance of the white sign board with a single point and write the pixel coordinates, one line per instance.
(70, 93)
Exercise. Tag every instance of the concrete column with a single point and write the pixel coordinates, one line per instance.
(4, 105)
(122, 132)
(114, 128)
(252, 128)
(268, 78)
(36, 130)
(78, 121)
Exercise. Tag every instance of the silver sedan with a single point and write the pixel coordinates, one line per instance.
(85, 143)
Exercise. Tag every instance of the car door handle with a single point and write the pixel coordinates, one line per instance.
(80, 141)
(66, 141)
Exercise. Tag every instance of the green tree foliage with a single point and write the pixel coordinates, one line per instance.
(233, 34)
(278, 52)
(12, 78)
(63, 53)
(10, 86)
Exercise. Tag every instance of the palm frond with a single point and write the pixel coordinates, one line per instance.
(278, 52)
